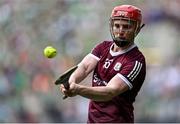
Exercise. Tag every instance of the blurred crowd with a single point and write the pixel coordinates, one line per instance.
(27, 91)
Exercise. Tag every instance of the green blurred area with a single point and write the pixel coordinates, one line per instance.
(74, 27)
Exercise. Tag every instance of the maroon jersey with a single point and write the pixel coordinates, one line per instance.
(130, 66)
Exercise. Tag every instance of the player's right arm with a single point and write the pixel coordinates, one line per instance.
(86, 66)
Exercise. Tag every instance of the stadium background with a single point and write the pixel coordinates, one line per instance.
(27, 92)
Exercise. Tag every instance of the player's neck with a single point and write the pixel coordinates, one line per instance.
(115, 48)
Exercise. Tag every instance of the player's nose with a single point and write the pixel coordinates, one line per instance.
(121, 33)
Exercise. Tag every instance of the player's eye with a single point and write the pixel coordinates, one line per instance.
(116, 25)
(125, 26)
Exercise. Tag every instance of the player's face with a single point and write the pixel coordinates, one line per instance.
(124, 29)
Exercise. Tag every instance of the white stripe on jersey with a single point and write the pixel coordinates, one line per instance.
(137, 72)
(125, 80)
(97, 58)
(133, 74)
(133, 69)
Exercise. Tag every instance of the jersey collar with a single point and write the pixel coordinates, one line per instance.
(122, 51)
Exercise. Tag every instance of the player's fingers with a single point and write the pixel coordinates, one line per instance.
(62, 89)
(61, 86)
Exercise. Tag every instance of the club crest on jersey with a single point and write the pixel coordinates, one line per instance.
(117, 67)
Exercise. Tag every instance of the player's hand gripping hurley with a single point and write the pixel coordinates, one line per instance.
(64, 78)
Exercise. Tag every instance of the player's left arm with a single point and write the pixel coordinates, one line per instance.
(115, 87)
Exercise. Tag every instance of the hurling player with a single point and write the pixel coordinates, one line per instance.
(118, 67)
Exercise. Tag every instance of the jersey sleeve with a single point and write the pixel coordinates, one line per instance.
(132, 72)
(97, 51)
